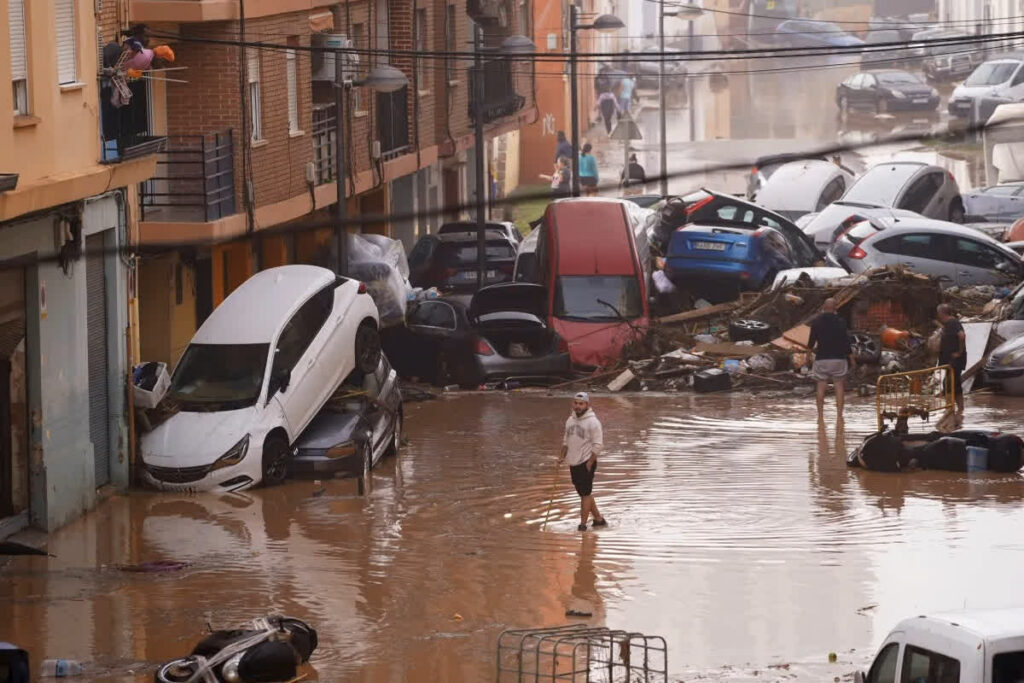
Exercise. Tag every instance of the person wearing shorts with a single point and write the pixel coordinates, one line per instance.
(581, 445)
(833, 357)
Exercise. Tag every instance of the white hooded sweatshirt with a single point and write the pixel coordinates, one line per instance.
(583, 437)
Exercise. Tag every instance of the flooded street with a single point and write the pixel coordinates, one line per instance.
(736, 532)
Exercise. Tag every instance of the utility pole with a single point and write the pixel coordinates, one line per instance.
(574, 102)
(662, 141)
(689, 86)
(478, 156)
(340, 208)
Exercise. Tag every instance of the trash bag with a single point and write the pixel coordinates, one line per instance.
(880, 452)
(1005, 453)
(150, 383)
(380, 263)
(948, 453)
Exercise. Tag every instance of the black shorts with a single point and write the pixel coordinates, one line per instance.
(583, 478)
(588, 181)
(956, 379)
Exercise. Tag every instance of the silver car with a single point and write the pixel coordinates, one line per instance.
(1005, 367)
(800, 187)
(912, 185)
(997, 203)
(826, 225)
(953, 254)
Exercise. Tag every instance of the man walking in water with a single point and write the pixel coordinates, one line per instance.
(833, 356)
(581, 445)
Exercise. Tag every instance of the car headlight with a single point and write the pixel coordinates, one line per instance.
(1013, 357)
(235, 455)
(897, 94)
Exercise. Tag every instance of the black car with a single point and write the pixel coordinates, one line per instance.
(359, 425)
(885, 91)
(449, 261)
(500, 334)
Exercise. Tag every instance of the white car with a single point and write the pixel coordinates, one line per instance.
(997, 79)
(255, 374)
(801, 187)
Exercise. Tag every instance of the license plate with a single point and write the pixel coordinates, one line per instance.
(923, 100)
(710, 246)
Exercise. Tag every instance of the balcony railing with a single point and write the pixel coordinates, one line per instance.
(393, 123)
(324, 142)
(194, 181)
(500, 98)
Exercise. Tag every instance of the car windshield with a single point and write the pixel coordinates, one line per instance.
(456, 254)
(897, 78)
(992, 73)
(586, 297)
(213, 377)
(881, 185)
(1008, 667)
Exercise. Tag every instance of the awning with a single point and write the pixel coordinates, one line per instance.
(321, 21)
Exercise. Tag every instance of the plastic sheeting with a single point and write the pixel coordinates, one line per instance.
(380, 263)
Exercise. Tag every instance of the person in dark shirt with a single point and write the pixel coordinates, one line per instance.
(833, 357)
(953, 352)
(633, 177)
(563, 148)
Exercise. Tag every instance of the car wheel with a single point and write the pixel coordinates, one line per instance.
(367, 348)
(275, 460)
(396, 436)
(366, 457)
(750, 330)
(865, 348)
(176, 671)
(956, 211)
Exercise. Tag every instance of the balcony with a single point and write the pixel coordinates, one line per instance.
(500, 98)
(393, 123)
(194, 180)
(125, 130)
(324, 142)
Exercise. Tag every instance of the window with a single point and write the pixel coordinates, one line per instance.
(1019, 77)
(292, 81)
(255, 109)
(921, 192)
(19, 56)
(449, 43)
(213, 377)
(524, 19)
(832, 192)
(300, 331)
(586, 297)
(383, 31)
(421, 47)
(883, 670)
(924, 666)
(869, 81)
(978, 255)
(359, 43)
(434, 314)
(1008, 667)
(64, 39)
(919, 246)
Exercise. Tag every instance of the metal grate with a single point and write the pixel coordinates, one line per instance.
(96, 329)
(178, 475)
(580, 654)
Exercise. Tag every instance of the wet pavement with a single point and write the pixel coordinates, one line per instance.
(737, 533)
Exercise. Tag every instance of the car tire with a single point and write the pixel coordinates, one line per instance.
(176, 671)
(275, 460)
(396, 435)
(367, 349)
(750, 330)
(866, 349)
(956, 211)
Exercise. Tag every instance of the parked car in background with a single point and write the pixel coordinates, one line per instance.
(997, 203)
(885, 91)
(999, 79)
(883, 57)
(501, 333)
(800, 187)
(918, 49)
(255, 375)
(594, 260)
(953, 254)
(912, 185)
(953, 60)
(1005, 367)
(813, 33)
(648, 71)
(506, 227)
(824, 227)
(360, 424)
(448, 260)
(527, 268)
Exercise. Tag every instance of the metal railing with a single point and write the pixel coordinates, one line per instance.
(194, 180)
(500, 98)
(324, 142)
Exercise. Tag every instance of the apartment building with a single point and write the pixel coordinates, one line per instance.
(250, 153)
(67, 226)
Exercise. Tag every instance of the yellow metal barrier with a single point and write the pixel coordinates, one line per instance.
(918, 393)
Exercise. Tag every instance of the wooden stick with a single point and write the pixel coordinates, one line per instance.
(551, 498)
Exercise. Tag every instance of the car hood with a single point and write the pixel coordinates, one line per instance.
(329, 429)
(973, 91)
(910, 89)
(598, 344)
(1005, 349)
(192, 439)
(520, 297)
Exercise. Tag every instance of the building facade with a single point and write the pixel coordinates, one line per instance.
(67, 297)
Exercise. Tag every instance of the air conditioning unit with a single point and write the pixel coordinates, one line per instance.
(323, 60)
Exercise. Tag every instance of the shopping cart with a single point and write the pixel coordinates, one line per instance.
(918, 393)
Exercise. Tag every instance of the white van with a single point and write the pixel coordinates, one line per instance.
(997, 79)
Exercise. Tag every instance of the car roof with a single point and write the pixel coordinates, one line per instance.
(991, 624)
(593, 236)
(931, 225)
(259, 307)
(796, 185)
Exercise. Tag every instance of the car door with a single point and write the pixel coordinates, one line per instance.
(919, 195)
(297, 350)
(854, 96)
(922, 252)
(885, 666)
(979, 264)
(1015, 89)
(867, 93)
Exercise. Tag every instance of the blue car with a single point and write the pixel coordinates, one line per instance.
(811, 33)
(730, 245)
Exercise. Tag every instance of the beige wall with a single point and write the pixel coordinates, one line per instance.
(166, 325)
(62, 135)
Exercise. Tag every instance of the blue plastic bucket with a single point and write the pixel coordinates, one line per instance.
(977, 459)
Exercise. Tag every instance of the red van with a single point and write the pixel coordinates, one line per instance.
(593, 256)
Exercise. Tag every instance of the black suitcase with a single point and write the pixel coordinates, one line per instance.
(715, 379)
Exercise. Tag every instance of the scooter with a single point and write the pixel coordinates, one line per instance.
(269, 650)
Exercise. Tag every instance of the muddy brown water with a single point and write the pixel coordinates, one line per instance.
(736, 532)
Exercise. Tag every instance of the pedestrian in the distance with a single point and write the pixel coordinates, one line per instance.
(627, 87)
(563, 148)
(953, 352)
(581, 447)
(608, 105)
(587, 169)
(833, 356)
(560, 178)
(633, 177)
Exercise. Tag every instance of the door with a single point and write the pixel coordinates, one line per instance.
(14, 438)
(6, 459)
(926, 253)
(204, 289)
(96, 343)
(921, 196)
(979, 264)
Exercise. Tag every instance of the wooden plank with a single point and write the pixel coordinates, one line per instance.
(699, 313)
(620, 382)
(728, 349)
(794, 339)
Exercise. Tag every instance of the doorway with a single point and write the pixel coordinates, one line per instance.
(14, 436)
(96, 329)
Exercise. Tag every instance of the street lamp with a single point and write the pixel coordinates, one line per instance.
(605, 23)
(689, 12)
(381, 78)
(511, 45)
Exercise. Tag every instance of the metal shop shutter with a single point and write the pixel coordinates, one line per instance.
(64, 24)
(96, 328)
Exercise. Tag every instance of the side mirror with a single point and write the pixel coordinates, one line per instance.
(280, 380)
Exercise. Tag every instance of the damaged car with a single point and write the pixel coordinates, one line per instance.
(255, 375)
(1005, 367)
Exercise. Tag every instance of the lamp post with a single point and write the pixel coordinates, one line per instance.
(690, 12)
(605, 23)
(381, 78)
(512, 45)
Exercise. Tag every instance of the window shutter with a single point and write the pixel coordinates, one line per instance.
(19, 59)
(291, 74)
(253, 65)
(64, 23)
